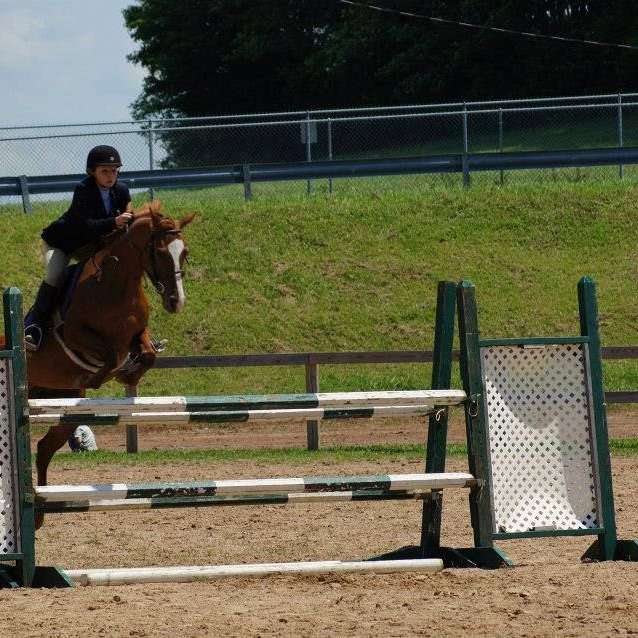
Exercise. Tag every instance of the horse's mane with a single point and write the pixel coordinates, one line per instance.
(153, 210)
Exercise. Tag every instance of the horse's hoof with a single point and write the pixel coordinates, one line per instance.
(159, 345)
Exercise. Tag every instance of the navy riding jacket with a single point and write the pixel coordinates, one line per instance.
(86, 220)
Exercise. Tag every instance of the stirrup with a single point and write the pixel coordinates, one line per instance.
(159, 345)
(33, 337)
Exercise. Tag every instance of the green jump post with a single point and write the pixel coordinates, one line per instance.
(438, 422)
(25, 573)
(607, 547)
(483, 554)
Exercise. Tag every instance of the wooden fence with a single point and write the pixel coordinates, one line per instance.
(312, 360)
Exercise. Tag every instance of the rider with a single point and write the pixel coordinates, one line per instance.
(100, 204)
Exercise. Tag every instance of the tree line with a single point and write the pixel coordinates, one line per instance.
(231, 56)
(206, 57)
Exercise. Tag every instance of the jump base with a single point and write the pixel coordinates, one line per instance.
(479, 557)
(625, 550)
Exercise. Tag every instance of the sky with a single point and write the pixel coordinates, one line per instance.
(65, 61)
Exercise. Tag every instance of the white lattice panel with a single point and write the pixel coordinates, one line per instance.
(8, 519)
(540, 437)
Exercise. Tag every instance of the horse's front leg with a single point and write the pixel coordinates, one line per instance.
(48, 445)
(144, 353)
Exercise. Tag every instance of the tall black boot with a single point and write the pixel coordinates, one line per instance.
(38, 316)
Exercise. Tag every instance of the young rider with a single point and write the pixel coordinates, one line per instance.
(100, 205)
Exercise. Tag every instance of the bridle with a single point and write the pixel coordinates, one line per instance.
(151, 246)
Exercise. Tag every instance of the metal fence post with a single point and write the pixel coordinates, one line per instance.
(621, 170)
(151, 161)
(308, 149)
(500, 141)
(312, 385)
(248, 191)
(330, 151)
(131, 430)
(466, 168)
(24, 190)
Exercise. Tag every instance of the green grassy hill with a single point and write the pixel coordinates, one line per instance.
(359, 272)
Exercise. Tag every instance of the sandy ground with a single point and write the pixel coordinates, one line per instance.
(549, 592)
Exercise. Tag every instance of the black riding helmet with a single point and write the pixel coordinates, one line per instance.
(102, 156)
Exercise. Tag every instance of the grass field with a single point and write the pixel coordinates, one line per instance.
(358, 271)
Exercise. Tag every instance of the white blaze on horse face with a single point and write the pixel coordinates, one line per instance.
(176, 248)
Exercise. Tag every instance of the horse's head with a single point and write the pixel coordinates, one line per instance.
(165, 254)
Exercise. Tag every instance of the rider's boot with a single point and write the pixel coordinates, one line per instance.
(39, 314)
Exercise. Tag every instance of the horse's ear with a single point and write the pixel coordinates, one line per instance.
(187, 219)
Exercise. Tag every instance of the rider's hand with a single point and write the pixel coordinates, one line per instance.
(123, 219)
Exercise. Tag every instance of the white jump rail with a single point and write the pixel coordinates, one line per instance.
(129, 576)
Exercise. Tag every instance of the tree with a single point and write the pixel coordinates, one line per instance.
(207, 57)
(227, 56)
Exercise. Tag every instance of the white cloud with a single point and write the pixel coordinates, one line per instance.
(21, 41)
(66, 61)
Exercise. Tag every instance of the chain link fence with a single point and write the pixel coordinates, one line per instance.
(405, 131)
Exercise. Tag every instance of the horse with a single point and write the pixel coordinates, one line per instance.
(105, 332)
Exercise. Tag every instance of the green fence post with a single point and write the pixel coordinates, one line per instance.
(438, 422)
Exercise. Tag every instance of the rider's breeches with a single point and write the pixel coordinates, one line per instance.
(56, 261)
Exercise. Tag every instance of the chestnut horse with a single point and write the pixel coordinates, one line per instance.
(105, 333)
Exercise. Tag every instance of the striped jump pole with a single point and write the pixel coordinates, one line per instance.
(224, 409)
(234, 403)
(169, 502)
(384, 482)
(173, 418)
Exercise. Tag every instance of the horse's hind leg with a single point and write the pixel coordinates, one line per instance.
(52, 441)
(48, 445)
